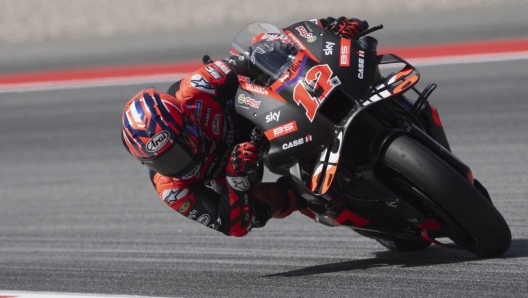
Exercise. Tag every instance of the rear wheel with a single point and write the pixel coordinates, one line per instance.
(473, 222)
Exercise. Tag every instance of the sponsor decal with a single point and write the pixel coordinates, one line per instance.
(281, 130)
(285, 78)
(366, 174)
(172, 195)
(361, 64)
(200, 83)
(204, 219)
(214, 185)
(213, 72)
(212, 166)
(223, 67)
(297, 142)
(246, 208)
(158, 141)
(194, 172)
(246, 199)
(329, 48)
(392, 204)
(244, 79)
(256, 88)
(297, 43)
(216, 124)
(228, 133)
(274, 36)
(192, 214)
(238, 183)
(344, 52)
(270, 37)
(309, 36)
(198, 110)
(207, 116)
(408, 127)
(185, 206)
(292, 70)
(243, 99)
(272, 117)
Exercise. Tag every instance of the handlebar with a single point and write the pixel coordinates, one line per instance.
(368, 31)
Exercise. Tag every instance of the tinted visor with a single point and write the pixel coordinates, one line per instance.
(176, 159)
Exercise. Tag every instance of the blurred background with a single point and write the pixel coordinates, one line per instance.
(35, 21)
(79, 214)
(49, 34)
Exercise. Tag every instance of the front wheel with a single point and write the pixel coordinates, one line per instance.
(459, 203)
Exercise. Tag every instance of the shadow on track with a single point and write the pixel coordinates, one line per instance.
(432, 256)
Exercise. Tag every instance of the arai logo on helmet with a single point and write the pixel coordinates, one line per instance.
(242, 99)
(158, 141)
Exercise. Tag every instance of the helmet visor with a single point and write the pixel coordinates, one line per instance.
(176, 159)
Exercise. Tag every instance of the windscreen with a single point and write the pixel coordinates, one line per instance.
(265, 52)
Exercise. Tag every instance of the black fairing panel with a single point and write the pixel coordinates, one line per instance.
(350, 63)
(353, 86)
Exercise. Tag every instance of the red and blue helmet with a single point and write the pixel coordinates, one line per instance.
(157, 132)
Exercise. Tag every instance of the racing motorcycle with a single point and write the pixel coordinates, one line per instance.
(363, 153)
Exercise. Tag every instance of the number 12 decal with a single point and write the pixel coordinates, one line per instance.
(313, 89)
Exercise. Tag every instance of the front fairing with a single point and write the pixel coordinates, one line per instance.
(300, 109)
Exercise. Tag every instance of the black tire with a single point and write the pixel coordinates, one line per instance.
(449, 190)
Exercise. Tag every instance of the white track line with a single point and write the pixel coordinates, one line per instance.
(19, 294)
(168, 78)
(89, 83)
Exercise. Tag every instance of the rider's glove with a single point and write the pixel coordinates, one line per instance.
(345, 27)
(243, 159)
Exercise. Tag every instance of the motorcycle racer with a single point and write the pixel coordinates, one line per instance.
(200, 153)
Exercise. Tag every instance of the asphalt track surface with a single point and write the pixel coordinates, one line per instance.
(78, 214)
